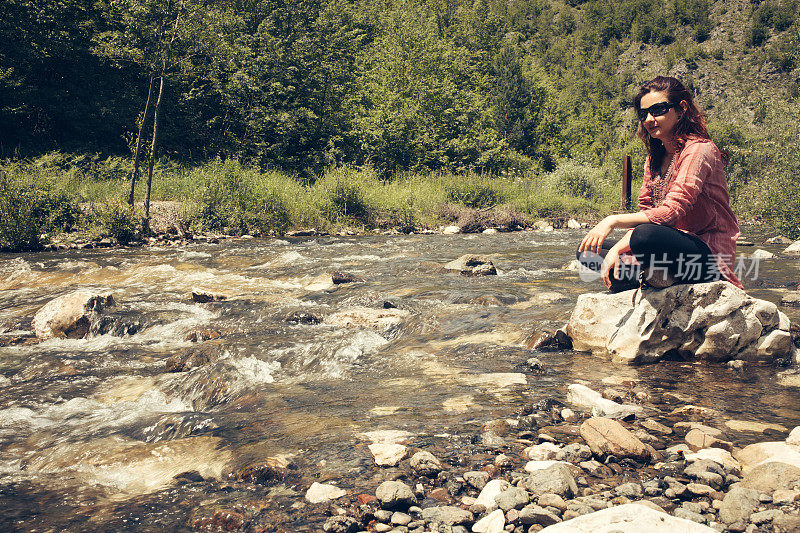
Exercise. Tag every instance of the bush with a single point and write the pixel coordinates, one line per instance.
(240, 199)
(116, 219)
(475, 192)
(573, 178)
(342, 194)
(31, 206)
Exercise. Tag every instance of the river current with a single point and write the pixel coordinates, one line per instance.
(93, 432)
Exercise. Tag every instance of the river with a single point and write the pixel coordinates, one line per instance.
(94, 431)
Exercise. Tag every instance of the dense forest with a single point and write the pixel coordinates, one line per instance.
(534, 90)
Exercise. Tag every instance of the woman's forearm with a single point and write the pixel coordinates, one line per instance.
(627, 220)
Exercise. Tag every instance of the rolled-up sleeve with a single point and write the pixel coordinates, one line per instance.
(694, 167)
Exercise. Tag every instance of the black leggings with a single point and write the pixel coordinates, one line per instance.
(683, 255)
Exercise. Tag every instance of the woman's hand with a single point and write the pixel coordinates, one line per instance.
(610, 265)
(593, 241)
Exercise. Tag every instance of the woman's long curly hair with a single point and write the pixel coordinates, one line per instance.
(691, 123)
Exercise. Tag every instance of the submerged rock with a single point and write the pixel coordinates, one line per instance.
(388, 454)
(194, 358)
(716, 320)
(338, 277)
(472, 265)
(203, 296)
(585, 397)
(318, 493)
(608, 437)
(70, 315)
(386, 320)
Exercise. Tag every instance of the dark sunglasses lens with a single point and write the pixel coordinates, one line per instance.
(656, 110)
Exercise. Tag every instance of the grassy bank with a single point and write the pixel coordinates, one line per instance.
(59, 193)
(83, 195)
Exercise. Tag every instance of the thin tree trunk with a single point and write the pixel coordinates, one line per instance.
(135, 173)
(153, 146)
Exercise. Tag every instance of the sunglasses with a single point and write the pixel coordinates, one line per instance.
(656, 110)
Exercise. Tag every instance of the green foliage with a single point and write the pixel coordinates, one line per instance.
(240, 199)
(475, 192)
(115, 219)
(342, 194)
(572, 178)
(31, 206)
(785, 51)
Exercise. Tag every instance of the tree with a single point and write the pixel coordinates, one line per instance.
(159, 36)
(54, 92)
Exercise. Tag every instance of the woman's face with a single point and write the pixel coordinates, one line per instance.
(662, 127)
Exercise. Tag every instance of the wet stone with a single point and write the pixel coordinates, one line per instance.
(512, 498)
(447, 515)
(340, 277)
(394, 494)
(476, 479)
(194, 358)
(383, 515)
(303, 317)
(263, 472)
(341, 524)
(219, 520)
(534, 514)
(556, 479)
(400, 519)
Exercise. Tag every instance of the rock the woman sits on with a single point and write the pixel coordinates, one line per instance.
(685, 230)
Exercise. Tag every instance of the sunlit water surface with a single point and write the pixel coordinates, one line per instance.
(93, 431)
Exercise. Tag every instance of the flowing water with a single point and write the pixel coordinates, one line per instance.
(94, 431)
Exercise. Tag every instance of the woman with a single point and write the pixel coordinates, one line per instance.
(685, 230)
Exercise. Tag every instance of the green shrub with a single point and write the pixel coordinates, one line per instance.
(475, 192)
(240, 199)
(31, 206)
(116, 219)
(573, 178)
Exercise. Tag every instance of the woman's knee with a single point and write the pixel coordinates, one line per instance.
(645, 238)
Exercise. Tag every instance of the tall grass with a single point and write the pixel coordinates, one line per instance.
(228, 196)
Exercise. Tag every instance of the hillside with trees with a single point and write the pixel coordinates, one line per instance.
(537, 91)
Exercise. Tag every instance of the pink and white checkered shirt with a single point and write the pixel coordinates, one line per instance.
(697, 202)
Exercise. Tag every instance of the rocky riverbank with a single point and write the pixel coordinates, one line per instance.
(555, 465)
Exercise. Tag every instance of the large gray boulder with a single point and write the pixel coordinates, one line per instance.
(628, 518)
(70, 315)
(739, 504)
(714, 320)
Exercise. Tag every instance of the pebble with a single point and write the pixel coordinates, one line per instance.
(494, 522)
(629, 490)
(400, 519)
(512, 498)
(763, 517)
(689, 515)
(424, 463)
(552, 500)
(383, 515)
(394, 493)
(476, 479)
(318, 493)
(534, 514)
